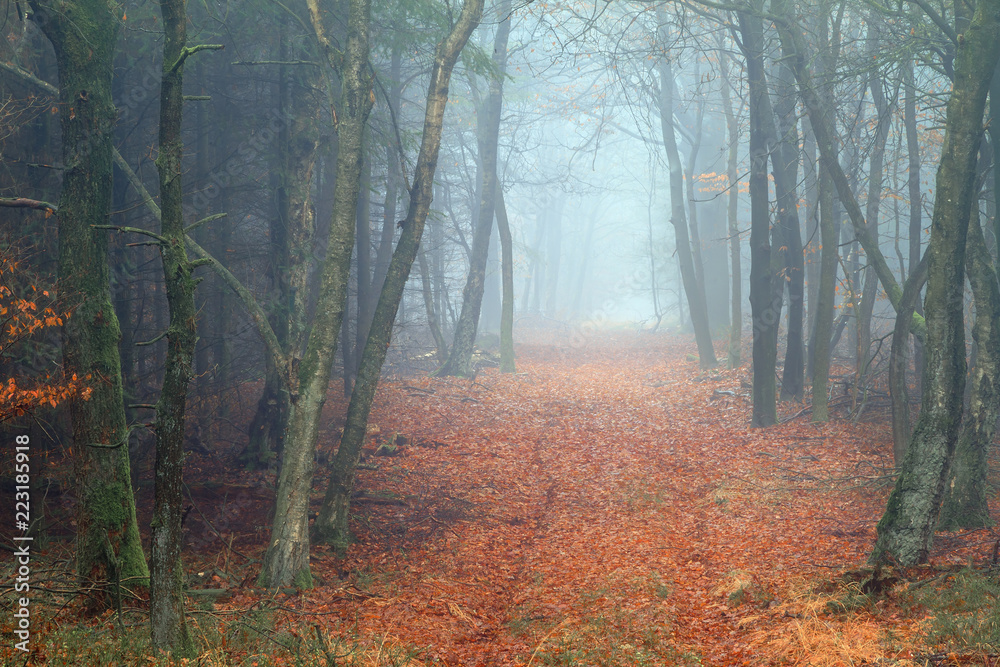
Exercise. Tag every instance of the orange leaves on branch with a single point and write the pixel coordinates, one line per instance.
(22, 317)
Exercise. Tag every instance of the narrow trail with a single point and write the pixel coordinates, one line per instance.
(612, 507)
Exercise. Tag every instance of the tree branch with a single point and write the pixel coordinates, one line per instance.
(28, 77)
(22, 202)
(257, 313)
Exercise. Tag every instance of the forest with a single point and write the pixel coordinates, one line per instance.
(427, 332)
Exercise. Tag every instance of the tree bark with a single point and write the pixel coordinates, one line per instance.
(83, 35)
(898, 391)
(906, 530)
(785, 163)
(331, 524)
(965, 504)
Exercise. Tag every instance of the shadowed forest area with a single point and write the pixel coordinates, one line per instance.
(421, 332)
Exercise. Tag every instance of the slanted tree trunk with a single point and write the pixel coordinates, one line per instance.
(906, 530)
(108, 548)
(287, 558)
(460, 360)
(694, 291)
(331, 524)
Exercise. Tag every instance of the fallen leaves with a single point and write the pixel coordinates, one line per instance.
(610, 507)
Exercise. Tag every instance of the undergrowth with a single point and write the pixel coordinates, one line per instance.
(251, 639)
(964, 610)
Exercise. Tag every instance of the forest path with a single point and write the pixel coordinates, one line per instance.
(605, 506)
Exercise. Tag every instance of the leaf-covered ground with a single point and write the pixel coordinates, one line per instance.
(610, 505)
(606, 505)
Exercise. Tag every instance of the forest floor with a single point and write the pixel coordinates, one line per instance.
(607, 505)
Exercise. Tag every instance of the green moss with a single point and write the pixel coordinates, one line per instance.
(303, 579)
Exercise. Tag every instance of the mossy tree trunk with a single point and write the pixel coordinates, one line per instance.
(964, 504)
(286, 561)
(906, 530)
(460, 359)
(83, 35)
(331, 524)
(166, 600)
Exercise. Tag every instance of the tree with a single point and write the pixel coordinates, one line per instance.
(694, 290)
(906, 530)
(166, 608)
(331, 524)
(765, 301)
(287, 558)
(83, 35)
(460, 360)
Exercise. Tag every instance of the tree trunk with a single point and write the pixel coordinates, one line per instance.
(765, 301)
(695, 297)
(823, 322)
(392, 177)
(507, 270)
(964, 504)
(331, 524)
(83, 35)
(460, 360)
(432, 315)
(906, 530)
(785, 163)
(823, 130)
(732, 164)
(898, 391)
(166, 590)
(876, 176)
(287, 558)
(292, 239)
(812, 252)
